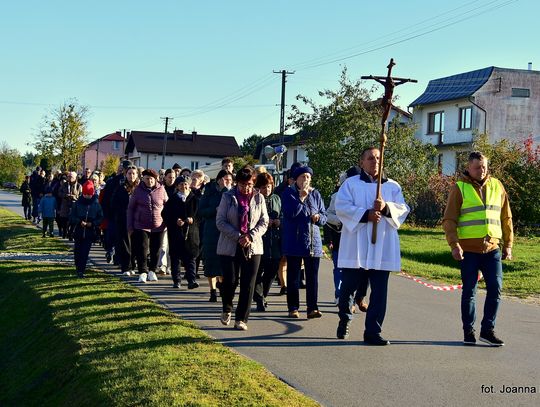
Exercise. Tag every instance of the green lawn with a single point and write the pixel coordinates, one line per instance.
(425, 253)
(98, 341)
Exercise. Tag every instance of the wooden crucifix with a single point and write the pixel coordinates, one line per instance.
(389, 84)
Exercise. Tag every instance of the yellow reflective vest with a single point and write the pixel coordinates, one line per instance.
(478, 219)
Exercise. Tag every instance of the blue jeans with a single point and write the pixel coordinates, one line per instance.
(337, 274)
(491, 267)
(311, 265)
(350, 280)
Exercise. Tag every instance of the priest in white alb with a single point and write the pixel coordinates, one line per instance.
(358, 208)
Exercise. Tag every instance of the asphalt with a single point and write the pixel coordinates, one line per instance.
(425, 365)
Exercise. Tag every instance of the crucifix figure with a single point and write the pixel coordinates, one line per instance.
(389, 84)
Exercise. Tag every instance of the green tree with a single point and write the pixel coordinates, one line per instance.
(348, 123)
(110, 164)
(240, 162)
(11, 164)
(63, 135)
(250, 144)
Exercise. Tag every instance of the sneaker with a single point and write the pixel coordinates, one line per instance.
(213, 296)
(143, 277)
(314, 314)
(362, 305)
(469, 338)
(43, 235)
(375, 339)
(261, 305)
(294, 314)
(108, 257)
(225, 318)
(240, 325)
(343, 329)
(490, 338)
(127, 273)
(176, 285)
(192, 286)
(152, 276)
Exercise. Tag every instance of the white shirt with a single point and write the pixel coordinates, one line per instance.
(353, 199)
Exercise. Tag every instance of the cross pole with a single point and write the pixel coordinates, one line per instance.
(389, 84)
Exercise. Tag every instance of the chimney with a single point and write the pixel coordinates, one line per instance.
(530, 66)
(193, 134)
(177, 134)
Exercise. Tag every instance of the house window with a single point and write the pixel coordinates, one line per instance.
(194, 165)
(435, 122)
(521, 93)
(465, 118)
(116, 145)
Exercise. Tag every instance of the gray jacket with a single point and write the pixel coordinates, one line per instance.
(227, 222)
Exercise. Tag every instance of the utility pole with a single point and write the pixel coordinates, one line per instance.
(165, 140)
(284, 74)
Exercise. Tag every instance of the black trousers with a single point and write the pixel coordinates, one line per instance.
(265, 276)
(27, 211)
(145, 243)
(81, 251)
(236, 269)
(311, 265)
(123, 247)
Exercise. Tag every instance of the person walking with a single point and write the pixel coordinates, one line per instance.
(26, 201)
(181, 218)
(209, 239)
(164, 259)
(303, 214)
(242, 220)
(271, 257)
(85, 216)
(69, 192)
(145, 224)
(357, 208)
(478, 219)
(47, 211)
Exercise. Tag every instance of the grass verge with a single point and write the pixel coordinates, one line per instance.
(97, 341)
(425, 253)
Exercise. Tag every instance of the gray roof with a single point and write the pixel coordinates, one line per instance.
(454, 87)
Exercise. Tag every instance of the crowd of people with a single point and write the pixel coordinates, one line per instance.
(246, 232)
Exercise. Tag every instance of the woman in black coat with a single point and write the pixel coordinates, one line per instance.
(180, 217)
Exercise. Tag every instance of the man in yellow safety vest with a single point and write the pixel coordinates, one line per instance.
(476, 220)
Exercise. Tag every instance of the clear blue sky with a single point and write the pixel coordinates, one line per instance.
(135, 61)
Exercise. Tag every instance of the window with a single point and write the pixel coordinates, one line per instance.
(521, 93)
(295, 155)
(436, 123)
(465, 118)
(194, 165)
(116, 145)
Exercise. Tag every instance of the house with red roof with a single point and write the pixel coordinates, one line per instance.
(95, 152)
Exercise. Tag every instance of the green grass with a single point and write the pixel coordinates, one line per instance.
(425, 253)
(97, 341)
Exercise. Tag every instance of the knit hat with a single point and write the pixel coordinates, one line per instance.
(176, 166)
(88, 188)
(182, 178)
(151, 173)
(126, 164)
(301, 170)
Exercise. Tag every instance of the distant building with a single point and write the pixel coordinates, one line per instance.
(94, 154)
(503, 102)
(191, 150)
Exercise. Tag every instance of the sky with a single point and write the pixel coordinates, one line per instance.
(209, 64)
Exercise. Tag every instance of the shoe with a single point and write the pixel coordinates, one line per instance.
(225, 318)
(283, 291)
(143, 277)
(490, 338)
(213, 296)
(314, 314)
(127, 273)
(469, 338)
(51, 234)
(261, 307)
(176, 285)
(294, 314)
(375, 339)
(302, 285)
(161, 272)
(240, 325)
(108, 257)
(152, 276)
(192, 286)
(362, 305)
(43, 235)
(343, 329)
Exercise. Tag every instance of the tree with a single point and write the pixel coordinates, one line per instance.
(350, 121)
(29, 160)
(250, 144)
(11, 164)
(63, 135)
(110, 164)
(240, 162)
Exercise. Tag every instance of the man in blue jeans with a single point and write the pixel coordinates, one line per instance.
(477, 218)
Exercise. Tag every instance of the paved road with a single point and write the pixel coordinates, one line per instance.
(425, 365)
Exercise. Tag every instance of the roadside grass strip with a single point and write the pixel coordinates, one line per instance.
(95, 341)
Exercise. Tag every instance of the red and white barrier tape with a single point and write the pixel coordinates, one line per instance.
(437, 287)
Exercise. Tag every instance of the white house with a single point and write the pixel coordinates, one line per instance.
(502, 102)
(189, 150)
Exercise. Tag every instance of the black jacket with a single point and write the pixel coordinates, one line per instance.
(187, 236)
